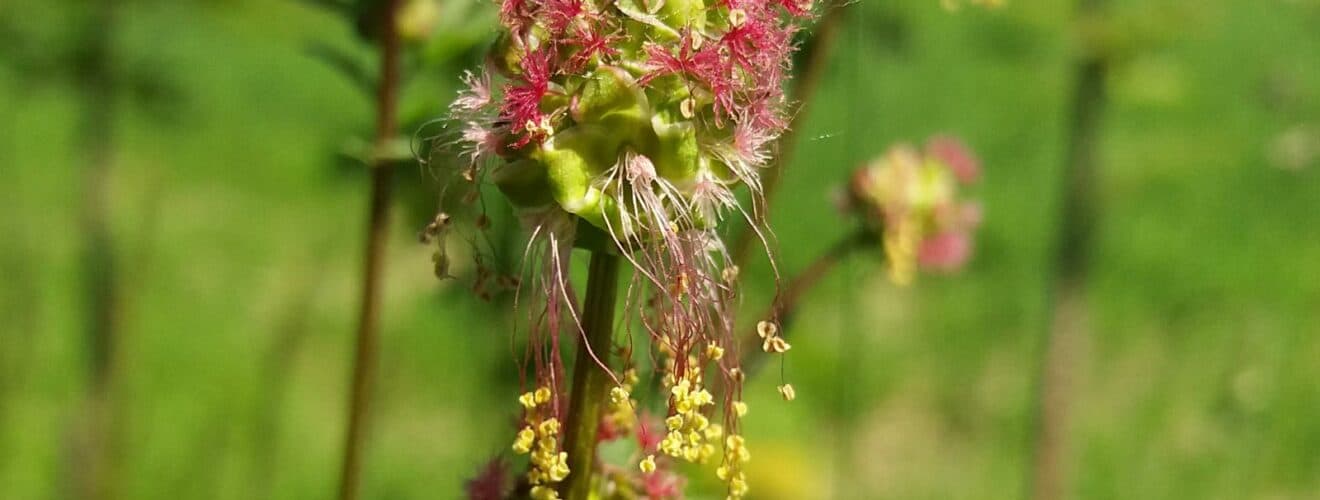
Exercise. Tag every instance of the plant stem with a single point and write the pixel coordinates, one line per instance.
(1057, 351)
(785, 308)
(591, 382)
(94, 475)
(816, 57)
(368, 333)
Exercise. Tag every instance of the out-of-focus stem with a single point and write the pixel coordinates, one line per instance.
(276, 368)
(785, 308)
(816, 58)
(368, 333)
(1048, 475)
(591, 382)
(93, 475)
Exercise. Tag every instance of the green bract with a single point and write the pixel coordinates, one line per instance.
(609, 115)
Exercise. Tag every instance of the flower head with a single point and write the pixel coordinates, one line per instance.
(625, 126)
(911, 200)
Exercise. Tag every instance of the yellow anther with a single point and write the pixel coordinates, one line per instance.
(694, 437)
(541, 126)
(527, 400)
(683, 405)
(737, 17)
(549, 427)
(714, 352)
(542, 395)
(559, 470)
(740, 408)
(738, 487)
(729, 274)
(734, 442)
(707, 451)
(766, 329)
(715, 431)
(647, 465)
(787, 392)
(702, 398)
(544, 493)
(523, 443)
(674, 422)
(699, 422)
(776, 345)
(619, 396)
(681, 389)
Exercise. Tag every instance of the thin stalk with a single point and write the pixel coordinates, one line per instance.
(93, 476)
(816, 58)
(785, 308)
(1067, 293)
(276, 368)
(368, 333)
(591, 382)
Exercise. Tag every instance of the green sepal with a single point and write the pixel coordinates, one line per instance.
(573, 158)
(525, 182)
(681, 14)
(506, 55)
(611, 92)
(676, 154)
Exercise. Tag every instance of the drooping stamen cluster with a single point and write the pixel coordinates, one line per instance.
(539, 437)
(623, 126)
(911, 200)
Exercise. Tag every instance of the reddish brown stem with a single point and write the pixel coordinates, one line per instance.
(785, 308)
(93, 474)
(1066, 331)
(368, 333)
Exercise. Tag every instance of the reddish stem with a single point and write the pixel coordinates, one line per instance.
(368, 333)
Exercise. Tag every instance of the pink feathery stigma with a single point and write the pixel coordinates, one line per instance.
(590, 43)
(945, 252)
(650, 432)
(797, 8)
(476, 96)
(559, 14)
(518, 15)
(964, 165)
(704, 65)
(522, 102)
(481, 141)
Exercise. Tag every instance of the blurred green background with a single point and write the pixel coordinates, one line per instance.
(236, 225)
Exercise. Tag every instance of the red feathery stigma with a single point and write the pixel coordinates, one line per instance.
(559, 14)
(590, 43)
(522, 102)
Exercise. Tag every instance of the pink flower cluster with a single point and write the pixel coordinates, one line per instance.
(911, 199)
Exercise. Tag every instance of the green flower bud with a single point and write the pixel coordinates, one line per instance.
(609, 90)
(524, 182)
(676, 155)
